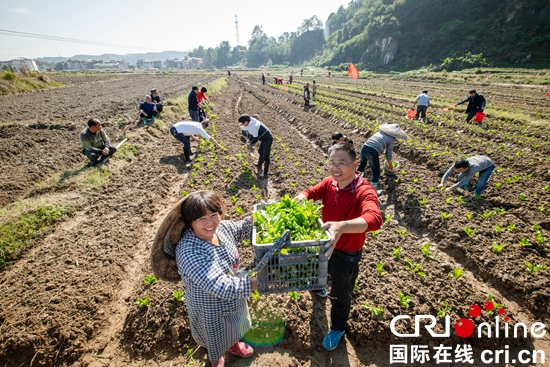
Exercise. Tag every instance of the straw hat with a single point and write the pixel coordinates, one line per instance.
(163, 251)
(393, 130)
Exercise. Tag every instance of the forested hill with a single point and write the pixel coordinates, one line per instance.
(412, 33)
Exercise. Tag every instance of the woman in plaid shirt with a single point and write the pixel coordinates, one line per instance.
(208, 263)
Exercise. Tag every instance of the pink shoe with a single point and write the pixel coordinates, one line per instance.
(241, 349)
(219, 363)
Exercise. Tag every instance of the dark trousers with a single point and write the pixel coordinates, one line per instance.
(472, 114)
(343, 268)
(93, 156)
(151, 115)
(194, 115)
(180, 137)
(265, 151)
(370, 155)
(421, 112)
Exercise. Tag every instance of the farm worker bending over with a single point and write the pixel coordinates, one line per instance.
(184, 130)
(467, 168)
(148, 110)
(476, 103)
(383, 140)
(193, 104)
(350, 210)
(423, 102)
(96, 144)
(208, 263)
(339, 138)
(258, 131)
(156, 100)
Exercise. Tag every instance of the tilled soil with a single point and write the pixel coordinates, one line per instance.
(71, 300)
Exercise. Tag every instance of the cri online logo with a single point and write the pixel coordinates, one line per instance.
(464, 327)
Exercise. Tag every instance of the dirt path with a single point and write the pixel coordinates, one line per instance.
(71, 300)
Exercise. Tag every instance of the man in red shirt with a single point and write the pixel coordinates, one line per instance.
(350, 209)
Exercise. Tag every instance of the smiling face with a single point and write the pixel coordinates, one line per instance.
(342, 167)
(205, 226)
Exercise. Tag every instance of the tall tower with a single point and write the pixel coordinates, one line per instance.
(237, 28)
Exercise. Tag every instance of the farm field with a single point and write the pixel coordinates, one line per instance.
(69, 299)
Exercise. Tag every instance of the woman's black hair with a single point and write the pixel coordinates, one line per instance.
(197, 204)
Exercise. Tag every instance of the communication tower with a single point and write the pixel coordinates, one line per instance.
(237, 28)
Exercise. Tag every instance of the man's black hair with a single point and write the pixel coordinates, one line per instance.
(244, 118)
(462, 163)
(337, 136)
(93, 122)
(194, 87)
(473, 91)
(153, 91)
(344, 146)
(204, 124)
(425, 91)
(204, 90)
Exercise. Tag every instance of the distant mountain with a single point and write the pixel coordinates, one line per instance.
(130, 58)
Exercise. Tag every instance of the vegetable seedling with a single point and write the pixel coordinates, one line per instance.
(396, 252)
(255, 295)
(375, 233)
(239, 210)
(404, 300)
(150, 279)
(234, 199)
(426, 251)
(424, 201)
(456, 273)
(380, 270)
(469, 231)
(524, 242)
(178, 295)
(498, 247)
(377, 311)
(415, 269)
(444, 308)
(511, 227)
(402, 232)
(534, 268)
(446, 215)
(500, 211)
(184, 194)
(294, 296)
(143, 301)
(469, 215)
(387, 217)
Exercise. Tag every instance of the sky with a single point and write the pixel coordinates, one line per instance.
(136, 26)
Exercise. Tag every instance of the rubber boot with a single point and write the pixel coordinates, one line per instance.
(266, 168)
(375, 184)
(186, 153)
(153, 119)
(144, 119)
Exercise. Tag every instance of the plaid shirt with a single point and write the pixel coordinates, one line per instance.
(215, 297)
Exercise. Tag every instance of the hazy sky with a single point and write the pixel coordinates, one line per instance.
(146, 25)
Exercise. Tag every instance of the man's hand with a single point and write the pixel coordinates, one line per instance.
(300, 197)
(449, 188)
(335, 231)
(441, 185)
(105, 151)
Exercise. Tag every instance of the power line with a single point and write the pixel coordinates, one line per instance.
(65, 39)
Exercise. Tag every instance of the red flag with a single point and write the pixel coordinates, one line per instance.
(353, 71)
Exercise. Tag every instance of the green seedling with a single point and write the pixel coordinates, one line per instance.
(460, 200)
(396, 251)
(234, 199)
(496, 306)
(318, 170)
(534, 268)
(415, 269)
(426, 251)
(233, 188)
(143, 301)
(178, 295)
(446, 215)
(404, 300)
(249, 178)
(197, 166)
(377, 311)
(498, 185)
(294, 296)
(255, 295)
(396, 181)
(150, 279)
(254, 188)
(469, 231)
(523, 197)
(540, 238)
(312, 182)
(524, 242)
(375, 233)
(257, 196)
(184, 194)
(410, 190)
(292, 184)
(415, 180)
(500, 211)
(424, 201)
(469, 215)
(499, 228)
(487, 214)
(303, 171)
(402, 232)
(387, 217)
(356, 285)
(403, 172)
(297, 163)
(444, 308)
(207, 182)
(511, 227)
(449, 201)
(380, 270)
(456, 273)
(498, 247)
(431, 189)
(239, 210)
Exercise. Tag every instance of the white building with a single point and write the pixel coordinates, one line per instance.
(24, 64)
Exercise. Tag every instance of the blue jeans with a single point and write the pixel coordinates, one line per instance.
(180, 137)
(93, 156)
(372, 156)
(481, 183)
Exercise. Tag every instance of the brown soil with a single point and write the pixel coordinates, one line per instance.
(71, 300)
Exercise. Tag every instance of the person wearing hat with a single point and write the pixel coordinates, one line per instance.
(156, 100)
(476, 103)
(350, 211)
(382, 141)
(467, 169)
(148, 110)
(184, 130)
(205, 249)
(257, 131)
(423, 102)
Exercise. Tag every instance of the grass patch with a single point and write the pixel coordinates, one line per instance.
(17, 234)
(127, 151)
(95, 178)
(11, 82)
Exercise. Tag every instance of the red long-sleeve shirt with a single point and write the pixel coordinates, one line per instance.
(358, 199)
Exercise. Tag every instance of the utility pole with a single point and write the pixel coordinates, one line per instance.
(237, 28)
